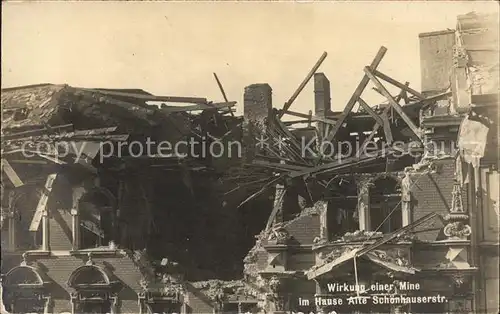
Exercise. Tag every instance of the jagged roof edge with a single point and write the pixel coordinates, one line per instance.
(6, 89)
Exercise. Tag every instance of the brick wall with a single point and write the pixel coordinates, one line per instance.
(257, 105)
(60, 236)
(304, 229)
(257, 102)
(59, 268)
(262, 259)
(60, 222)
(322, 101)
(432, 193)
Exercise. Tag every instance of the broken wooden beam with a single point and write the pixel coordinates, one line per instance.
(222, 92)
(405, 97)
(262, 190)
(393, 103)
(354, 98)
(98, 131)
(277, 206)
(369, 138)
(392, 81)
(277, 132)
(292, 138)
(246, 184)
(220, 87)
(100, 134)
(102, 138)
(402, 94)
(288, 123)
(312, 117)
(303, 84)
(370, 111)
(388, 237)
(11, 174)
(341, 197)
(273, 133)
(387, 128)
(36, 132)
(347, 162)
(29, 162)
(144, 97)
(378, 91)
(280, 166)
(354, 162)
(220, 105)
(278, 160)
(123, 108)
(42, 203)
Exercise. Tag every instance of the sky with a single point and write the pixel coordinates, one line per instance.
(172, 48)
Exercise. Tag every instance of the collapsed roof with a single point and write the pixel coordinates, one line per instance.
(38, 112)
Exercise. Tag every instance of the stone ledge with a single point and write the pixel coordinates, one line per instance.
(98, 252)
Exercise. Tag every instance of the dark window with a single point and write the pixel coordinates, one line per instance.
(25, 206)
(342, 216)
(95, 220)
(385, 206)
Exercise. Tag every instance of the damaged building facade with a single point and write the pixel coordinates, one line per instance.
(410, 214)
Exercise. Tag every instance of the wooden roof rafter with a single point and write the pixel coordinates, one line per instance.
(355, 96)
(370, 74)
(288, 161)
(145, 97)
(299, 89)
(396, 83)
(219, 84)
(382, 119)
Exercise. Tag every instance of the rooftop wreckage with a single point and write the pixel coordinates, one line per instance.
(402, 216)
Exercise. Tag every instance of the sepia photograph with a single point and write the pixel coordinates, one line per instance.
(244, 157)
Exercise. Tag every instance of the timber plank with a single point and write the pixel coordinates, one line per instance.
(354, 98)
(393, 103)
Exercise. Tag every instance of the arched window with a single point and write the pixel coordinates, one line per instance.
(23, 206)
(96, 210)
(385, 205)
(93, 291)
(87, 276)
(342, 216)
(25, 290)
